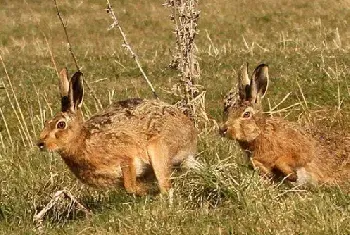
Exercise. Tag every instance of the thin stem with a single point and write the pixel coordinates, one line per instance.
(74, 57)
(127, 45)
(67, 37)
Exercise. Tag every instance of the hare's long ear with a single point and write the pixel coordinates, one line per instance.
(64, 90)
(76, 91)
(244, 86)
(259, 83)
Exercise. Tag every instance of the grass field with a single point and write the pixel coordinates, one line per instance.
(305, 43)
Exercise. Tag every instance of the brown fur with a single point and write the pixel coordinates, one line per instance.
(123, 142)
(332, 164)
(278, 147)
(275, 145)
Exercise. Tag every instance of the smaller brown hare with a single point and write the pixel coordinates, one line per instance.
(275, 146)
(122, 143)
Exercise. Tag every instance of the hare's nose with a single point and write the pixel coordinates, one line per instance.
(223, 130)
(41, 145)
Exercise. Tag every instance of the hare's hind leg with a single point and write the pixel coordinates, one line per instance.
(130, 178)
(284, 167)
(161, 165)
(261, 168)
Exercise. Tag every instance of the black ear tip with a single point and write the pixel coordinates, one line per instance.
(77, 77)
(78, 74)
(65, 103)
(263, 65)
(260, 67)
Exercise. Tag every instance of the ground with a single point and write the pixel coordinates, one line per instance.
(305, 43)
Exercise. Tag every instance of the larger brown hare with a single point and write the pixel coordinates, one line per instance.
(277, 147)
(121, 143)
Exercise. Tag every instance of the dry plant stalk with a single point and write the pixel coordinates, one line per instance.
(126, 44)
(92, 92)
(17, 109)
(6, 127)
(58, 196)
(185, 17)
(67, 37)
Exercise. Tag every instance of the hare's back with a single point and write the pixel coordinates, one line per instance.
(138, 116)
(116, 112)
(288, 138)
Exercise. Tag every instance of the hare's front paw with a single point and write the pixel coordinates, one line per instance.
(141, 190)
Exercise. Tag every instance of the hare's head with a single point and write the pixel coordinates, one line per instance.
(244, 111)
(65, 126)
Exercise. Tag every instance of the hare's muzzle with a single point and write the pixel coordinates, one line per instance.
(223, 130)
(41, 145)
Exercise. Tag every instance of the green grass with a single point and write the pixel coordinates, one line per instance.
(298, 39)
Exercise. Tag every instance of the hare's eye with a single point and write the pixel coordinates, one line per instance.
(61, 125)
(247, 114)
